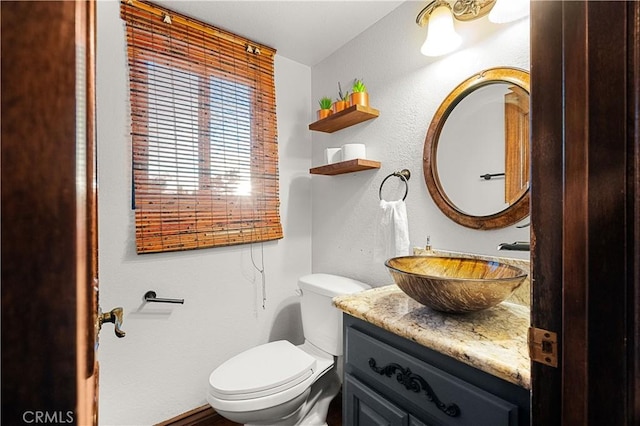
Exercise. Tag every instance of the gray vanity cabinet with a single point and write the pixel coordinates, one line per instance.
(390, 380)
(366, 407)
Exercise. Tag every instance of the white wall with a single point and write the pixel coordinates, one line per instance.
(160, 369)
(406, 88)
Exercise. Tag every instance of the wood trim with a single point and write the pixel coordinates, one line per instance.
(633, 205)
(595, 244)
(87, 226)
(41, 258)
(207, 416)
(546, 210)
(575, 226)
(585, 229)
(201, 416)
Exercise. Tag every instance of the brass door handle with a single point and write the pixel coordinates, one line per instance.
(115, 316)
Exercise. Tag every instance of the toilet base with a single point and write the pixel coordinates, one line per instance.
(278, 415)
(316, 414)
(312, 406)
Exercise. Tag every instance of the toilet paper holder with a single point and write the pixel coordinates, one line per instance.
(150, 296)
(403, 174)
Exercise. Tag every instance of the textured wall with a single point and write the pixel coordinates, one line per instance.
(160, 369)
(406, 88)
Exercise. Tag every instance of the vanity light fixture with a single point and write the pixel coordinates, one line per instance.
(441, 35)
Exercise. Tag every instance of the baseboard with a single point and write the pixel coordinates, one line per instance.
(201, 416)
(207, 416)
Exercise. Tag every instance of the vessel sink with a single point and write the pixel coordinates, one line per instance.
(455, 284)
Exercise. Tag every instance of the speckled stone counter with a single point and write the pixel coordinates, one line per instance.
(494, 340)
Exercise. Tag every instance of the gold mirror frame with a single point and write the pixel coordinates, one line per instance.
(516, 211)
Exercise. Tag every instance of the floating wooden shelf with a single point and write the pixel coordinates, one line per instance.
(349, 166)
(347, 117)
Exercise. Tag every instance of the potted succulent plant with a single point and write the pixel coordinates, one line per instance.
(359, 95)
(325, 108)
(343, 100)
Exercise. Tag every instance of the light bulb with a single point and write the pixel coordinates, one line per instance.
(441, 36)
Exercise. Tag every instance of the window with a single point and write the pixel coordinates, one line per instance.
(205, 155)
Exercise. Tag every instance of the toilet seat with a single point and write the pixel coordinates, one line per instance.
(262, 376)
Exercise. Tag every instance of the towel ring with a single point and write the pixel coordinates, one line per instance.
(403, 174)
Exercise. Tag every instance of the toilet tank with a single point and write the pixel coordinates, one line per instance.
(321, 321)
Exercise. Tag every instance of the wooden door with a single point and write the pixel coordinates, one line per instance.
(585, 210)
(49, 237)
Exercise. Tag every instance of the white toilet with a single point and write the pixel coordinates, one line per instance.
(281, 384)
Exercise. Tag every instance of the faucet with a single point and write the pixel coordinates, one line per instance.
(517, 246)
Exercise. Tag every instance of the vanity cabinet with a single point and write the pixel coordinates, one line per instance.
(390, 380)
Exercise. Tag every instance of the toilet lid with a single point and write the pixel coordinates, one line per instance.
(262, 370)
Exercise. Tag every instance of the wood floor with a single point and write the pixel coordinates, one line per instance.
(334, 418)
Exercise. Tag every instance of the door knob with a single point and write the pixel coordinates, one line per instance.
(115, 316)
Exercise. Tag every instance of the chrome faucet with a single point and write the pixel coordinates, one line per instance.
(517, 246)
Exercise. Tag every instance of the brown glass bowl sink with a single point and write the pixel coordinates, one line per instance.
(454, 284)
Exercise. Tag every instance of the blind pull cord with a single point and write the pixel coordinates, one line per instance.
(264, 290)
(262, 273)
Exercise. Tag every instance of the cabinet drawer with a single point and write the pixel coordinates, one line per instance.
(435, 395)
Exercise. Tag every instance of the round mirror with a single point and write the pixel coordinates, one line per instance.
(476, 153)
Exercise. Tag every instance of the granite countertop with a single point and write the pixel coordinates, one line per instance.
(493, 340)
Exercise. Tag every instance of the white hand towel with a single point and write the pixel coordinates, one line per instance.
(392, 236)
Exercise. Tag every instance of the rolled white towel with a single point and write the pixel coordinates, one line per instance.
(392, 234)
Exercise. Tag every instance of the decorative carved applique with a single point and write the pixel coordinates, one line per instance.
(414, 383)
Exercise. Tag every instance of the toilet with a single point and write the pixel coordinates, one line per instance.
(278, 383)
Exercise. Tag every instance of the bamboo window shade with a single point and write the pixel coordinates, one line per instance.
(203, 127)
